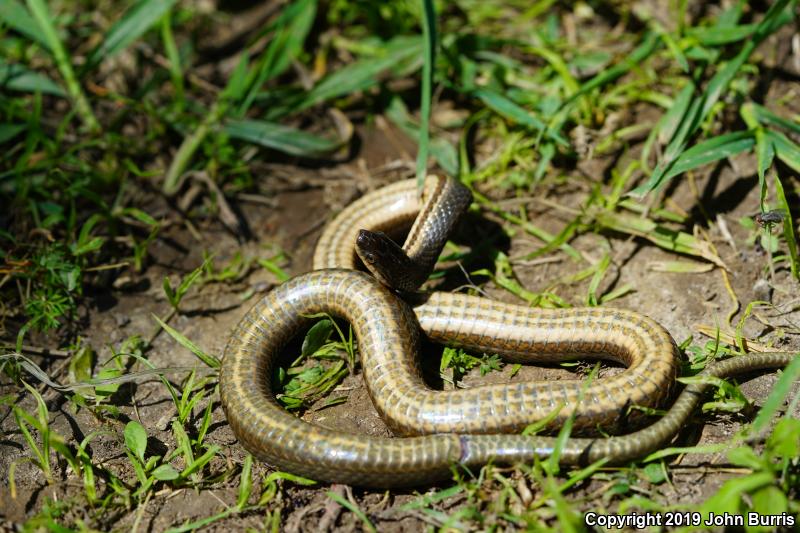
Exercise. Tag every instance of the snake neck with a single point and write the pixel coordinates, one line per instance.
(406, 268)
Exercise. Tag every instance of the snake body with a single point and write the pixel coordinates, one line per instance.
(440, 428)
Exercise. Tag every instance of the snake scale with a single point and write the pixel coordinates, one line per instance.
(440, 428)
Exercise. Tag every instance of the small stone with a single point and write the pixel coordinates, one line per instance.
(762, 290)
(164, 422)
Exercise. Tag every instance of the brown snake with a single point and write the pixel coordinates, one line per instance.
(466, 426)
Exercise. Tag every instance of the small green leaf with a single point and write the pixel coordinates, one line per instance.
(107, 389)
(366, 524)
(200, 462)
(716, 36)
(769, 500)
(597, 277)
(9, 131)
(745, 456)
(766, 116)
(786, 150)
(140, 215)
(94, 244)
(189, 280)
(271, 265)
(237, 83)
(165, 472)
(19, 78)
(668, 125)
(245, 483)
(426, 88)
(654, 473)
(80, 365)
(169, 292)
(136, 439)
(700, 154)
(442, 151)
(317, 336)
(17, 17)
(289, 32)
(728, 498)
(785, 438)
(712, 150)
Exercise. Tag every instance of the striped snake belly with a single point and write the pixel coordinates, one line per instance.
(465, 426)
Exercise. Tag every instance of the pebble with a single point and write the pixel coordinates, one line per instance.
(762, 290)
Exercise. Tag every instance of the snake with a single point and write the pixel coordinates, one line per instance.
(436, 430)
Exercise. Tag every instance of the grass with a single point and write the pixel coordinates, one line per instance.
(582, 128)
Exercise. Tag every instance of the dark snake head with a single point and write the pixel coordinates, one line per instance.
(387, 261)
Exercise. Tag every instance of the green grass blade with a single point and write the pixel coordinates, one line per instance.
(680, 450)
(672, 119)
(673, 47)
(780, 391)
(788, 229)
(649, 45)
(428, 64)
(766, 116)
(190, 145)
(19, 78)
(132, 25)
(716, 36)
(282, 138)
(600, 272)
(517, 114)
(291, 30)
(712, 150)
(687, 124)
(668, 124)
(42, 16)
(561, 68)
(698, 155)
(208, 359)
(765, 150)
(366, 72)
(353, 509)
(786, 150)
(18, 19)
(174, 57)
(442, 151)
(661, 236)
(702, 105)
(772, 20)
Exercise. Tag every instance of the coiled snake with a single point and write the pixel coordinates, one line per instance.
(441, 428)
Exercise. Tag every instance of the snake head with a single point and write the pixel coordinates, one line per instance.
(386, 260)
(376, 249)
(368, 246)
